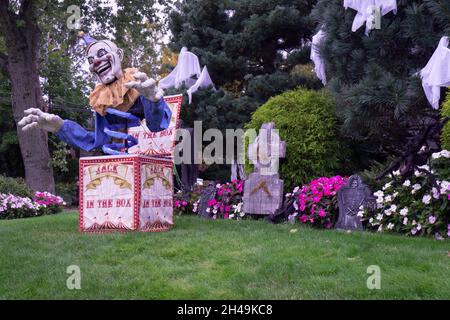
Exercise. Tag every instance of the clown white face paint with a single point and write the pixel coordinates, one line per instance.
(105, 61)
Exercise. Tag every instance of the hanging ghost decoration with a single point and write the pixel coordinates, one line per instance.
(369, 12)
(204, 81)
(319, 65)
(187, 68)
(120, 100)
(436, 73)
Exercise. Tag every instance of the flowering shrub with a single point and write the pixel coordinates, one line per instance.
(184, 203)
(13, 207)
(228, 201)
(316, 202)
(416, 206)
(49, 203)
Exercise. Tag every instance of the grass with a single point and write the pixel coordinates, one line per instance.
(201, 259)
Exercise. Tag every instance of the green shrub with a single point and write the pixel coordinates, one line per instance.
(445, 112)
(15, 186)
(306, 121)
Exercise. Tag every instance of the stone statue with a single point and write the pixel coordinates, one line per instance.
(263, 190)
(351, 197)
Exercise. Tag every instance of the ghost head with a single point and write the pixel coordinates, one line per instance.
(105, 60)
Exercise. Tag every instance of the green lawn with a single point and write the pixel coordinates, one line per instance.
(201, 259)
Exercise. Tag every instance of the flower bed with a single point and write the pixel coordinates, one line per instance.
(416, 206)
(14, 207)
(316, 203)
(228, 201)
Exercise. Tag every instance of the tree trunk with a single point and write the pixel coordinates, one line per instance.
(22, 68)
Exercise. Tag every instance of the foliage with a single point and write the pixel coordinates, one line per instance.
(250, 48)
(415, 206)
(11, 162)
(374, 78)
(16, 186)
(15, 207)
(316, 203)
(228, 201)
(305, 120)
(185, 202)
(445, 135)
(68, 191)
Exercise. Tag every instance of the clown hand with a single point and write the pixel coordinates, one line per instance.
(35, 118)
(146, 86)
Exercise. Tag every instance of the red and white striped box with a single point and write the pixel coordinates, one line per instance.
(125, 193)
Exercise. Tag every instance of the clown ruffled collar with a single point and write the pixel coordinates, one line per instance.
(115, 94)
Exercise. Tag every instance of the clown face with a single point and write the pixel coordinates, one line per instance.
(105, 61)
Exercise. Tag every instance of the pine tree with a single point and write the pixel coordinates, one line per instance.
(374, 78)
(250, 48)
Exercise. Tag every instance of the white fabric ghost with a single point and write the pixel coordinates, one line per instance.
(364, 10)
(319, 65)
(203, 81)
(187, 67)
(436, 73)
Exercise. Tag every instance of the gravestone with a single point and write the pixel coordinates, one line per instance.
(208, 194)
(263, 190)
(351, 197)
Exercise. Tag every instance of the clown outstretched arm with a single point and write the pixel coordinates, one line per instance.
(157, 115)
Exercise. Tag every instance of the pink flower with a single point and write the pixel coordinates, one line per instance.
(303, 218)
(184, 203)
(322, 213)
(212, 202)
(311, 220)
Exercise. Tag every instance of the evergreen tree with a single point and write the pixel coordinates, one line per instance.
(375, 78)
(250, 48)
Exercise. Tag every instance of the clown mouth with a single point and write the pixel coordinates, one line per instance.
(104, 68)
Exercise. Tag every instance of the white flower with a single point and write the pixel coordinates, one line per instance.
(371, 220)
(231, 216)
(387, 185)
(393, 208)
(379, 193)
(419, 227)
(387, 212)
(296, 189)
(380, 200)
(360, 214)
(405, 220)
(426, 199)
(396, 173)
(407, 183)
(445, 186)
(380, 228)
(436, 193)
(388, 198)
(445, 154)
(424, 167)
(208, 210)
(416, 188)
(395, 194)
(390, 226)
(379, 216)
(404, 211)
(418, 173)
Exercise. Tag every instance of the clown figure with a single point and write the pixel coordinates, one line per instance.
(120, 100)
